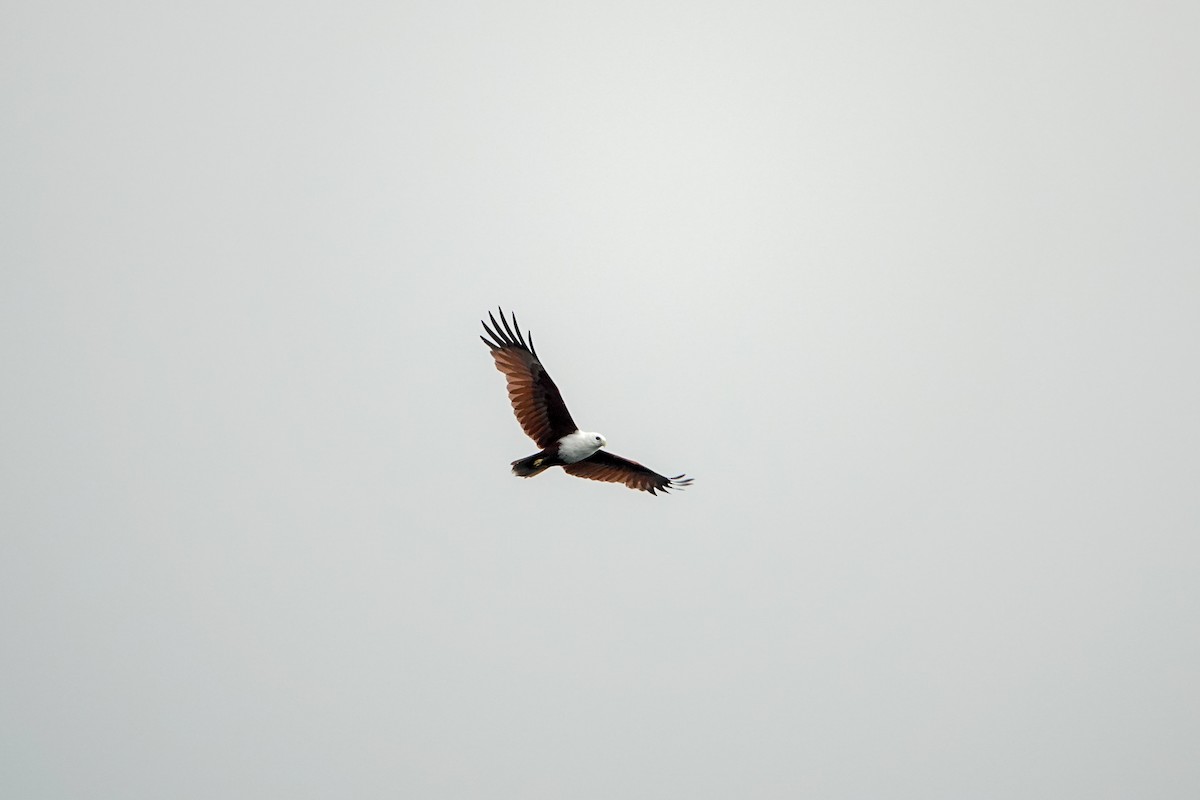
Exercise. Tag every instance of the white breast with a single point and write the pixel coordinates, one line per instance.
(577, 446)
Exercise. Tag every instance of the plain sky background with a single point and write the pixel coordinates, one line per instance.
(910, 289)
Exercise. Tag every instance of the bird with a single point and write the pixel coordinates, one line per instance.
(544, 417)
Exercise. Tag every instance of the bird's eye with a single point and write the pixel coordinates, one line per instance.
(597, 438)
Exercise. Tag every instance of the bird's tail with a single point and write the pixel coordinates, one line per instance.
(530, 465)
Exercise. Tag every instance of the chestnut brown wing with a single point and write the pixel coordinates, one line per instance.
(535, 399)
(604, 466)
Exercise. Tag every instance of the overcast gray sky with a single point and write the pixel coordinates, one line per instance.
(910, 289)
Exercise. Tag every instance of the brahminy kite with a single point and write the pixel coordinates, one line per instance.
(544, 418)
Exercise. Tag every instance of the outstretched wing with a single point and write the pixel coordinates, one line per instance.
(604, 466)
(535, 399)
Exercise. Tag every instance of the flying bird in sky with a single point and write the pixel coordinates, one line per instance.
(544, 417)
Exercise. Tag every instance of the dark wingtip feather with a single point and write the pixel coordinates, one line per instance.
(680, 481)
(514, 338)
(496, 330)
(497, 341)
(505, 336)
(520, 338)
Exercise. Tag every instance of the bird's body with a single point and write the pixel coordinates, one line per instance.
(545, 419)
(570, 449)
